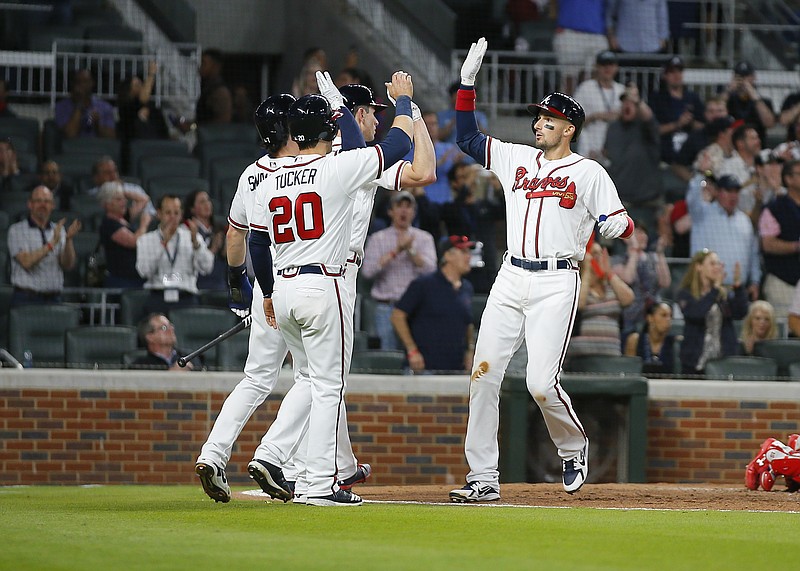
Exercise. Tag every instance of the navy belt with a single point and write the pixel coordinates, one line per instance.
(538, 265)
(309, 269)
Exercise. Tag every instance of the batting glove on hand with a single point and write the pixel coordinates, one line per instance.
(613, 226)
(416, 113)
(329, 90)
(472, 64)
(240, 291)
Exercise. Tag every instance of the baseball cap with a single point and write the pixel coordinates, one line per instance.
(402, 195)
(449, 242)
(719, 124)
(675, 62)
(744, 68)
(606, 57)
(728, 182)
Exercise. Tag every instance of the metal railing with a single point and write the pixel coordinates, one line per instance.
(509, 80)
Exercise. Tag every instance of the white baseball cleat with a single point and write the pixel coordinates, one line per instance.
(476, 492)
(575, 471)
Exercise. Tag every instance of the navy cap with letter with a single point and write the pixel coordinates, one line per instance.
(563, 106)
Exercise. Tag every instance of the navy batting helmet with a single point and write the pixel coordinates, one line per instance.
(311, 119)
(562, 106)
(270, 119)
(356, 95)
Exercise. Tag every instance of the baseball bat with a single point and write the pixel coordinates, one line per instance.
(243, 324)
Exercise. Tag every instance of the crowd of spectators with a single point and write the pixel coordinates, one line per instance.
(738, 205)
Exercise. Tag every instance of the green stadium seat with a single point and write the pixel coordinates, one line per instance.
(742, 368)
(196, 326)
(784, 351)
(378, 361)
(40, 329)
(98, 347)
(605, 364)
(232, 353)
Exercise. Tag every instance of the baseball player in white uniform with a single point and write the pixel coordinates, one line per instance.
(267, 349)
(553, 198)
(306, 209)
(284, 440)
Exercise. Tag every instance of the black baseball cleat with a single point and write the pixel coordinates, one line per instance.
(341, 498)
(270, 478)
(214, 482)
(362, 473)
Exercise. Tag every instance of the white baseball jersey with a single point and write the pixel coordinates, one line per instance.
(551, 206)
(306, 205)
(365, 200)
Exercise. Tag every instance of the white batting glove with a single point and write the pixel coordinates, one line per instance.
(613, 226)
(472, 63)
(241, 313)
(329, 90)
(416, 113)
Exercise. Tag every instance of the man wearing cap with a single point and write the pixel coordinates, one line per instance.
(719, 225)
(745, 102)
(393, 257)
(632, 150)
(717, 120)
(433, 319)
(599, 98)
(678, 110)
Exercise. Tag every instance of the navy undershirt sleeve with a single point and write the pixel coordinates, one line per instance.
(262, 260)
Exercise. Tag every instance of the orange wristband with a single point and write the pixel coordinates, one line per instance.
(49, 247)
(412, 353)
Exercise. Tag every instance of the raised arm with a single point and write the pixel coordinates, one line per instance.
(469, 138)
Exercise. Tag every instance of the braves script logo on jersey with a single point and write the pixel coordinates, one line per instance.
(558, 186)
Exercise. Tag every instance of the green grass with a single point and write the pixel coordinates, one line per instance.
(173, 528)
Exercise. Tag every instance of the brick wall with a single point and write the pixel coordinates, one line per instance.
(153, 437)
(711, 440)
(82, 427)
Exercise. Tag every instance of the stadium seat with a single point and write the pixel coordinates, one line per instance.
(212, 150)
(378, 361)
(6, 291)
(41, 38)
(76, 165)
(131, 305)
(232, 353)
(4, 221)
(180, 186)
(478, 305)
(23, 132)
(5, 271)
(224, 168)
(129, 357)
(98, 347)
(605, 364)
(784, 351)
(141, 148)
(742, 368)
(229, 132)
(92, 146)
(214, 298)
(196, 326)
(152, 167)
(40, 329)
(794, 371)
(15, 205)
(51, 140)
(360, 341)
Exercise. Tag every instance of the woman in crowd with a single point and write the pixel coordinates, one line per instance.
(200, 209)
(709, 310)
(759, 324)
(118, 238)
(655, 345)
(603, 295)
(646, 272)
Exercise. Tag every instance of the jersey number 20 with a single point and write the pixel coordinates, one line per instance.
(307, 213)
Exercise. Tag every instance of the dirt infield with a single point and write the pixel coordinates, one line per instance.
(642, 496)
